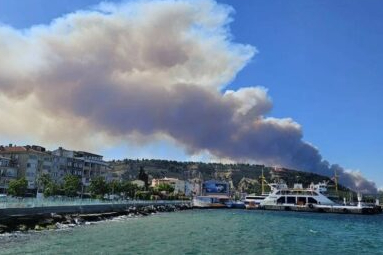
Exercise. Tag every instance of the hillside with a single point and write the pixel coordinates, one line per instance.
(244, 177)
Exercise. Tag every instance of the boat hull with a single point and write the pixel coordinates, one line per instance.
(324, 209)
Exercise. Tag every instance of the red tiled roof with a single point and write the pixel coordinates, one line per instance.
(15, 149)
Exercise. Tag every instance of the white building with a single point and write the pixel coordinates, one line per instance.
(188, 188)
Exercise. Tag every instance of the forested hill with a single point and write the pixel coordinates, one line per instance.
(242, 176)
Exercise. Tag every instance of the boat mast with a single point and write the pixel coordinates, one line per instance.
(263, 182)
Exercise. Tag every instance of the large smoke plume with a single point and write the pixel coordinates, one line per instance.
(152, 68)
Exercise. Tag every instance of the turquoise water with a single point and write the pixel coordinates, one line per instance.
(211, 232)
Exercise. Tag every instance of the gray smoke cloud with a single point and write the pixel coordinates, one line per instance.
(149, 68)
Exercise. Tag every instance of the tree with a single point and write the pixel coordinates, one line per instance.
(165, 187)
(144, 195)
(115, 187)
(46, 184)
(71, 185)
(51, 189)
(18, 187)
(130, 189)
(98, 186)
(43, 181)
(143, 176)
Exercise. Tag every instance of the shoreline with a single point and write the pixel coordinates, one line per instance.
(52, 221)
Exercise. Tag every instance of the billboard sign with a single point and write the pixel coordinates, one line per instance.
(212, 187)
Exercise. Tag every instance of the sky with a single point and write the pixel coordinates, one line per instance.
(319, 62)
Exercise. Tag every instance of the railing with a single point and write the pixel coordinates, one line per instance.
(10, 202)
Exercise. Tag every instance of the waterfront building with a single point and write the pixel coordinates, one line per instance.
(180, 186)
(193, 187)
(66, 163)
(94, 166)
(85, 165)
(31, 162)
(8, 172)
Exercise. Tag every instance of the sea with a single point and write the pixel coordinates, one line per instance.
(208, 231)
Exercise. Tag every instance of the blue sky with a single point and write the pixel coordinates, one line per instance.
(320, 60)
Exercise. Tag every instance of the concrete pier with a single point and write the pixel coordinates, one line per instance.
(73, 209)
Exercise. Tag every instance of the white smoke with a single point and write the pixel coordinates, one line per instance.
(148, 68)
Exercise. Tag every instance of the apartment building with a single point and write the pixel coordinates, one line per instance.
(85, 165)
(31, 162)
(8, 172)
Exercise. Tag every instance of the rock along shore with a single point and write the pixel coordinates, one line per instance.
(25, 221)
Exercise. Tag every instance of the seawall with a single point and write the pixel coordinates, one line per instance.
(51, 217)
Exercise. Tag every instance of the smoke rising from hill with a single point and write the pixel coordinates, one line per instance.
(145, 69)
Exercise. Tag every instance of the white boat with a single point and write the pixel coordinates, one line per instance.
(313, 198)
(253, 201)
(282, 195)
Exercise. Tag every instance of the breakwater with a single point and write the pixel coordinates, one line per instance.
(52, 217)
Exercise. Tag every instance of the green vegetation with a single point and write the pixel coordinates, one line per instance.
(47, 186)
(165, 187)
(71, 185)
(115, 187)
(52, 189)
(143, 176)
(129, 189)
(18, 187)
(98, 187)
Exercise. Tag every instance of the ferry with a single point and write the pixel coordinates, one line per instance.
(312, 199)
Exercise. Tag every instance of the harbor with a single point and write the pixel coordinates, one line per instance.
(314, 198)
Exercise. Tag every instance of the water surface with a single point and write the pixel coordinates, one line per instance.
(211, 232)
